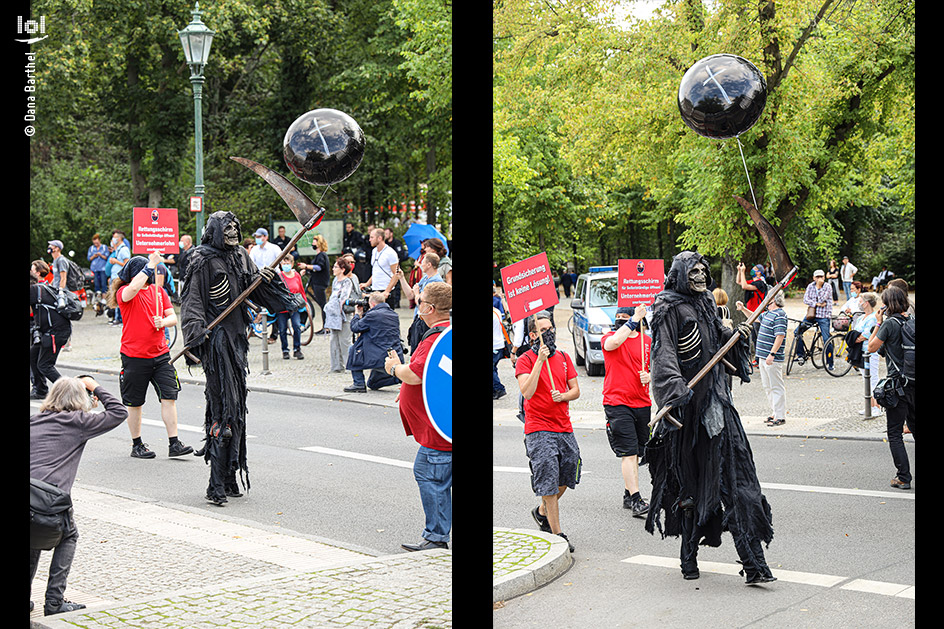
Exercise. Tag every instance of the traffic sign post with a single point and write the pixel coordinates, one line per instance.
(437, 384)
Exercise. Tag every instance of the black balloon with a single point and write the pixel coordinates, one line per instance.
(323, 146)
(722, 96)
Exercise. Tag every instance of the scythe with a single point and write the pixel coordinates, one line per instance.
(783, 268)
(304, 209)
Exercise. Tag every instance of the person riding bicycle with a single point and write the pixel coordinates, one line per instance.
(819, 301)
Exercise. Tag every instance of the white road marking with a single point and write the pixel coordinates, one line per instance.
(360, 456)
(790, 576)
(839, 490)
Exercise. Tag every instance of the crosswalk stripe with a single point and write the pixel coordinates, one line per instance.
(359, 455)
(789, 576)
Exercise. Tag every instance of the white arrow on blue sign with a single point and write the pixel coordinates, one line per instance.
(437, 384)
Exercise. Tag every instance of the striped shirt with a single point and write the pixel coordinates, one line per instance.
(815, 296)
(773, 323)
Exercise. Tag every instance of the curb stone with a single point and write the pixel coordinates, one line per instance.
(550, 559)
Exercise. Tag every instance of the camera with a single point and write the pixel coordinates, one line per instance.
(353, 303)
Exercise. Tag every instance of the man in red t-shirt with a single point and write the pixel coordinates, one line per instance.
(432, 468)
(548, 382)
(145, 358)
(626, 401)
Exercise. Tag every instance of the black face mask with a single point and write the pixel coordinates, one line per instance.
(549, 338)
(618, 323)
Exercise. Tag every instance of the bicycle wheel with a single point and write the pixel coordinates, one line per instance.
(308, 329)
(816, 352)
(791, 355)
(837, 347)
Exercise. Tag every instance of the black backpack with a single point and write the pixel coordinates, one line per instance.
(75, 279)
(50, 513)
(907, 346)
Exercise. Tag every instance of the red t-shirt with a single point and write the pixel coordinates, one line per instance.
(541, 412)
(139, 337)
(293, 284)
(621, 385)
(412, 410)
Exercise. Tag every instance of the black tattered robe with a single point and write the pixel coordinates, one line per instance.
(707, 462)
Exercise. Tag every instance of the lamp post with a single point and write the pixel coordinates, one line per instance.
(196, 39)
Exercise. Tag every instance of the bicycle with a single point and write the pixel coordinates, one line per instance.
(838, 349)
(815, 350)
(259, 328)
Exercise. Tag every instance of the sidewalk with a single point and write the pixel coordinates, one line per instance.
(142, 563)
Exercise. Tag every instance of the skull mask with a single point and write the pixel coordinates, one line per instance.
(231, 234)
(698, 278)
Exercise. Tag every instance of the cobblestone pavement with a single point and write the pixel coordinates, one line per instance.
(126, 577)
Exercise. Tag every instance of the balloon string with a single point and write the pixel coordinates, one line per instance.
(329, 188)
(740, 148)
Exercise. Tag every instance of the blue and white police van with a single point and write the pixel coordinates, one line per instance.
(594, 306)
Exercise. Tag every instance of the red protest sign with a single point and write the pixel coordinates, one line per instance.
(154, 229)
(529, 286)
(639, 282)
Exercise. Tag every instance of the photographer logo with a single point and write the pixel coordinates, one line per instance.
(31, 27)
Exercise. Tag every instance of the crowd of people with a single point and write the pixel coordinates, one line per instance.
(878, 324)
(356, 295)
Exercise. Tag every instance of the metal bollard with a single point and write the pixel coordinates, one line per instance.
(868, 386)
(265, 352)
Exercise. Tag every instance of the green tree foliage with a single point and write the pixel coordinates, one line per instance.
(115, 108)
(832, 153)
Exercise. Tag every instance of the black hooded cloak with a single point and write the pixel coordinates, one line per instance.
(216, 274)
(703, 474)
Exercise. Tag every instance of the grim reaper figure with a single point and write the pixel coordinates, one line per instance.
(703, 474)
(218, 272)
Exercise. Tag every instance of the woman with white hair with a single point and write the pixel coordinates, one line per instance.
(58, 434)
(864, 326)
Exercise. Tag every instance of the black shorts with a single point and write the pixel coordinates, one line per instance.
(554, 458)
(627, 429)
(138, 373)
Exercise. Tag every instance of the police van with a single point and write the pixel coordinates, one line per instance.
(594, 306)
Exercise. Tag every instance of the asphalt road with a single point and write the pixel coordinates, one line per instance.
(369, 504)
(825, 525)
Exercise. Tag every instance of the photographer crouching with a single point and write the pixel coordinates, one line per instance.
(378, 330)
(58, 434)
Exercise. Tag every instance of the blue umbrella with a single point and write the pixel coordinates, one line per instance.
(419, 232)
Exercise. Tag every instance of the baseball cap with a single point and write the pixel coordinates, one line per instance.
(56, 243)
(818, 272)
(261, 232)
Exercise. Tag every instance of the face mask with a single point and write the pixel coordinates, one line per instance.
(549, 338)
(258, 241)
(618, 323)
(286, 268)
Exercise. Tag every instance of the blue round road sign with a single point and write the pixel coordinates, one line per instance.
(437, 384)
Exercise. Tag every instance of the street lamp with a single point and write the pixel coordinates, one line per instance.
(196, 39)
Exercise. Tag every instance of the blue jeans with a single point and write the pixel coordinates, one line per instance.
(846, 286)
(101, 282)
(282, 318)
(823, 324)
(432, 470)
(497, 386)
(378, 378)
